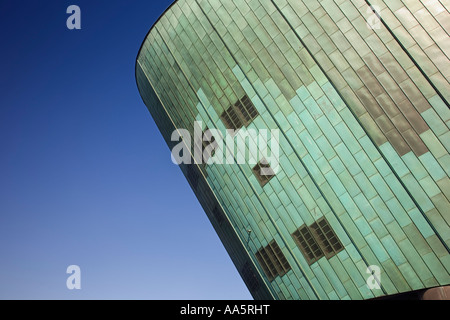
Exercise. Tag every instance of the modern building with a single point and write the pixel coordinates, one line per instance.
(359, 93)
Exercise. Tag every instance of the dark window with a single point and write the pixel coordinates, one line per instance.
(249, 277)
(280, 258)
(263, 172)
(273, 261)
(266, 264)
(231, 119)
(247, 110)
(317, 241)
(307, 244)
(326, 238)
(239, 115)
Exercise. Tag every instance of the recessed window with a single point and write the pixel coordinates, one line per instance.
(317, 241)
(239, 115)
(307, 244)
(263, 172)
(273, 261)
(326, 238)
(231, 119)
(247, 110)
(280, 258)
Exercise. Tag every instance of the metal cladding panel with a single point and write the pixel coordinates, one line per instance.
(358, 91)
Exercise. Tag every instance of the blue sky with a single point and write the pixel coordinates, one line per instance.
(85, 176)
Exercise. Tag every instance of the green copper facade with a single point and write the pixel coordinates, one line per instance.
(362, 108)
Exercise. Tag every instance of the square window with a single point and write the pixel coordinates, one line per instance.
(307, 244)
(317, 241)
(231, 119)
(326, 238)
(273, 261)
(239, 115)
(263, 172)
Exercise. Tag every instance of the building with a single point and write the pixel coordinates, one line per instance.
(359, 207)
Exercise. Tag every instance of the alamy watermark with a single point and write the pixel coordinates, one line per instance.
(74, 20)
(214, 146)
(374, 280)
(74, 280)
(374, 19)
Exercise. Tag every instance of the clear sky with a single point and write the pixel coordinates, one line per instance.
(85, 176)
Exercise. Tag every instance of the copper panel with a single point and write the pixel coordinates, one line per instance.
(440, 36)
(260, 69)
(352, 101)
(312, 44)
(424, 62)
(374, 64)
(339, 60)
(325, 61)
(404, 37)
(384, 123)
(397, 95)
(414, 141)
(425, 18)
(401, 123)
(393, 67)
(439, 59)
(421, 36)
(443, 19)
(406, 18)
(336, 78)
(442, 84)
(370, 81)
(354, 59)
(389, 107)
(328, 24)
(340, 41)
(304, 75)
(352, 79)
(398, 142)
(376, 44)
(440, 293)
(415, 96)
(388, 83)
(413, 117)
(286, 89)
(372, 129)
(422, 83)
(369, 102)
(276, 73)
(291, 76)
